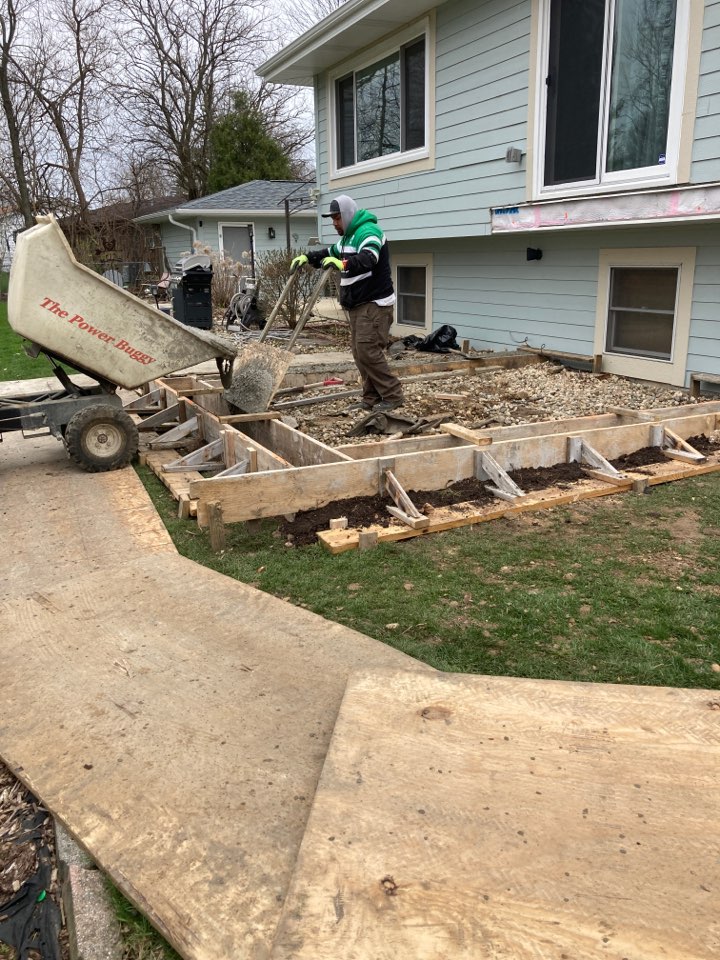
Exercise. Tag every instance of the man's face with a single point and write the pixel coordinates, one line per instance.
(337, 223)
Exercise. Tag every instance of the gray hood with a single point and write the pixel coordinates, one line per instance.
(348, 209)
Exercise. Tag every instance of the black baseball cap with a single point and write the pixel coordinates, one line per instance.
(334, 209)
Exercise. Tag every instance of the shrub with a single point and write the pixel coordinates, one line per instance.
(273, 268)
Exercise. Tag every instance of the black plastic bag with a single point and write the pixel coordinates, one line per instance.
(442, 340)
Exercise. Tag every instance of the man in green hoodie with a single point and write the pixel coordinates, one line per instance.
(367, 294)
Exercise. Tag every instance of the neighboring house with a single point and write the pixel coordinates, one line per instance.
(249, 219)
(547, 171)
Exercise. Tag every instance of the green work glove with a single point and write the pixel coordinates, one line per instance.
(298, 262)
(333, 262)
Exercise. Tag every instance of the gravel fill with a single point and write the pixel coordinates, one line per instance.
(543, 391)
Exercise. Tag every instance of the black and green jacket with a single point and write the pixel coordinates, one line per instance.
(364, 251)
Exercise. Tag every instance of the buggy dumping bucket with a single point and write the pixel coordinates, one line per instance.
(80, 317)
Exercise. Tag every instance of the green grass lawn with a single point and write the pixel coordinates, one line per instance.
(623, 590)
(15, 364)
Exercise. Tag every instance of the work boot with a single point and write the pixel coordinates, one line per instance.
(386, 405)
(360, 405)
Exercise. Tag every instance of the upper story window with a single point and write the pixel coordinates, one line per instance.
(381, 108)
(613, 84)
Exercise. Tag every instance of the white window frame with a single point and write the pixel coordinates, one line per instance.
(670, 371)
(414, 260)
(375, 54)
(659, 175)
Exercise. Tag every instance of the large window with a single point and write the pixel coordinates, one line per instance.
(380, 108)
(613, 72)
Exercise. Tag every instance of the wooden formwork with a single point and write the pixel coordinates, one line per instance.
(265, 468)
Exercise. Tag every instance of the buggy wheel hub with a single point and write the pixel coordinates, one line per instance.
(104, 440)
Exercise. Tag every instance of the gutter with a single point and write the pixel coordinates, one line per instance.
(185, 226)
(230, 212)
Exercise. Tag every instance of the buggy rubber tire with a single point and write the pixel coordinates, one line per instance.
(101, 437)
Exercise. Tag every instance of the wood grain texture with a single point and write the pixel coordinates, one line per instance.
(512, 819)
(173, 719)
(59, 522)
(305, 488)
(190, 719)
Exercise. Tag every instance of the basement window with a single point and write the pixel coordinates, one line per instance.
(641, 315)
(412, 278)
(644, 305)
(411, 296)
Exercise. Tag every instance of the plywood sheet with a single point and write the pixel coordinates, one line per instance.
(177, 721)
(477, 817)
(59, 522)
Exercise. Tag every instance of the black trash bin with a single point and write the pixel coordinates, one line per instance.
(192, 297)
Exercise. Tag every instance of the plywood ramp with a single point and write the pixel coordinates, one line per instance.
(184, 722)
(174, 719)
(476, 817)
(59, 522)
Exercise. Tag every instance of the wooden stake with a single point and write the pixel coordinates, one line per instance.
(216, 527)
(367, 540)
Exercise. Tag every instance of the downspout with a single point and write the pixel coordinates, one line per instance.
(185, 227)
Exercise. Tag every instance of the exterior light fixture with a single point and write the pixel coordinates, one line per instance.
(271, 233)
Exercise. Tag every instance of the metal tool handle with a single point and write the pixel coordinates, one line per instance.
(317, 290)
(276, 309)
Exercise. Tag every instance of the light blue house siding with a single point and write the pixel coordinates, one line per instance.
(481, 108)
(482, 284)
(706, 154)
(178, 242)
(493, 296)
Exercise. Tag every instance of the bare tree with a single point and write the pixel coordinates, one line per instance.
(14, 176)
(184, 57)
(301, 17)
(55, 61)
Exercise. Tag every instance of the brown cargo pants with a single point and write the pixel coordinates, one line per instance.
(370, 335)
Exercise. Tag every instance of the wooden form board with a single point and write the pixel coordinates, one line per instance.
(305, 488)
(190, 716)
(463, 515)
(177, 483)
(497, 818)
(283, 445)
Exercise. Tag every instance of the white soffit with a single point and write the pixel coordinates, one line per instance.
(350, 28)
